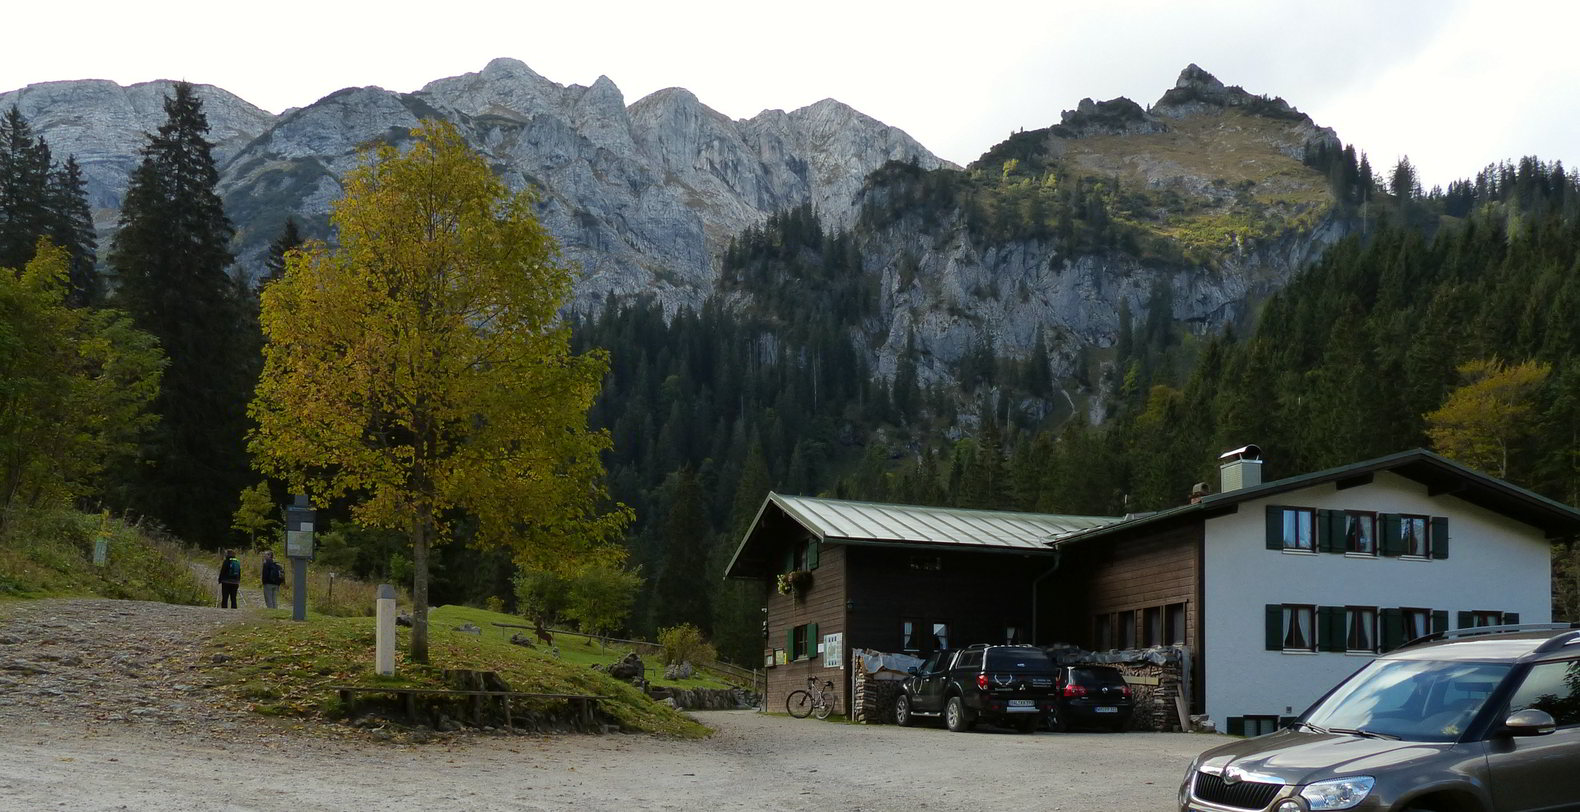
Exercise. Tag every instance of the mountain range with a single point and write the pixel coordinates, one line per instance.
(1204, 201)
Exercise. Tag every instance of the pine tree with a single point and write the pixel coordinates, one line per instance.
(71, 227)
(24, 189)
(170, 258)
(682, 590)
(274, 261)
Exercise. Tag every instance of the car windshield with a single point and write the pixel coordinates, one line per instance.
(1017, 660)
(1413, 700)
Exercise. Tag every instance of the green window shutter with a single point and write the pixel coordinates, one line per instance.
(1330, 628)
(1325, 534)
(1275, 528)
(1392, 539)
(811, 641)
(1236, 725)
(1440, 621)
(1439, 537)
(1275, 627)
(1511, 618)
(790, 653)
(1465, 620)
(813, 549)
(1392, 629)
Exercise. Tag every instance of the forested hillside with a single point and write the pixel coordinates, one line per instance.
(1347, 363)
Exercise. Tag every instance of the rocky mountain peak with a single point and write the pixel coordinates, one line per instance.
(1194, 77)
(1119, 116)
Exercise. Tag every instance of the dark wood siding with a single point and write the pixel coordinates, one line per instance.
(823, 604)
(1130, 575)
(977, 594)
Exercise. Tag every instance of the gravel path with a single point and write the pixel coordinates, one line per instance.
(105, 705)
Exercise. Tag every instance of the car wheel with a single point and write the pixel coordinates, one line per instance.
(902, 711)
(957, 717)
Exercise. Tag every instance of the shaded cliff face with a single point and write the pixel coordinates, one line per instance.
(643, 197)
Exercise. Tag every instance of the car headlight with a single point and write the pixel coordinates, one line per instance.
(1339, 793)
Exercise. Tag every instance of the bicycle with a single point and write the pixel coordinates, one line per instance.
(804, 702)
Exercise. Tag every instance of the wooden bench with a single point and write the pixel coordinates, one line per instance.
(585, 704)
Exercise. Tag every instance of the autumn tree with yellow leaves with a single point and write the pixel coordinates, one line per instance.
(419, 368)
(1491, 411)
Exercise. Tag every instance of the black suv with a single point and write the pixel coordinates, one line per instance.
(1010, 686)
(1091, 696)
(1470, 720)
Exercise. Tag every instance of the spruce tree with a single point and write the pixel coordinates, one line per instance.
(274, 263)
(682, 590)
(70, 226)
(24, 189)
(170, 258)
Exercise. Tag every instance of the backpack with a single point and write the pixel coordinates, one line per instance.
(273, 573)
(232, 570)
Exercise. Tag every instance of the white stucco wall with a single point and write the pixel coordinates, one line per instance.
(1494, 563)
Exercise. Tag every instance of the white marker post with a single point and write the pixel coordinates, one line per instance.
(384, 651)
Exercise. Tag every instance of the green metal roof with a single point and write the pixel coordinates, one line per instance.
(877, 524)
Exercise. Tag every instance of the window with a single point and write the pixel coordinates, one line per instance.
(802, 555)
(1362, 629)
(1174, 623)
(1300, 529)
(1011, 635)
(1300, 633)
(1152, 626)
(1472, 620)
(925, 563)
(1260, 725)
(969, 659)
(1417, 623)
(922, 635)
(1551, 687)
(1127, 630)
(1360, 532)
(798, 638)
(1413, 534)
(1102, 632)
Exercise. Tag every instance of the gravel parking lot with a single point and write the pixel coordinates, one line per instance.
(752, 762)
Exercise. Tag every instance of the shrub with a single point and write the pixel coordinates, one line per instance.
(684, 644)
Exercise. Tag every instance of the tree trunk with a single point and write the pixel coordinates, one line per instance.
(419, 588)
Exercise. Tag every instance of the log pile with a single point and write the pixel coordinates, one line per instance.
(874, 700)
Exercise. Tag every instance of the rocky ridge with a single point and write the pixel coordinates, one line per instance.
(643, 197)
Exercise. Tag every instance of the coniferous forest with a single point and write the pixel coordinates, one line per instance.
(1382, 345)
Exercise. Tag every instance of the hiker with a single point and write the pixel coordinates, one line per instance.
(273, 576)
(229, 579)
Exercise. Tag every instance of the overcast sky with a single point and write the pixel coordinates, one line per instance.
(1454, 84)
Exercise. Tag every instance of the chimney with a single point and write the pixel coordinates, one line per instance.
(1240, 468)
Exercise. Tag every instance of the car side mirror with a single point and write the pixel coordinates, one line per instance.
(1530, 722)
(911, 670)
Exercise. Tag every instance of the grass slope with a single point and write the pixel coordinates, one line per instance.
(581, 651)
(285, 668)
(45, 554)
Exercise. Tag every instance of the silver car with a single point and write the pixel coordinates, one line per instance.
(1472, 720)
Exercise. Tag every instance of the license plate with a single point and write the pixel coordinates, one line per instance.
(1106, 710)
(1023, 703)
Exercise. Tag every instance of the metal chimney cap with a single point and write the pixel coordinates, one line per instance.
(1247, 452)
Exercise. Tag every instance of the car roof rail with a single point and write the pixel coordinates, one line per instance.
(1476, 631)
(1558, 641)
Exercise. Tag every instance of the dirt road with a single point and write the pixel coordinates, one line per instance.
(107, 705)
(752, 762)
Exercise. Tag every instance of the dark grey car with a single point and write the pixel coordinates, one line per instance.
(1474, 720)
